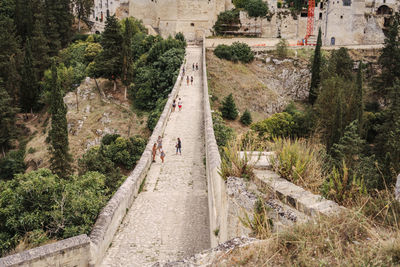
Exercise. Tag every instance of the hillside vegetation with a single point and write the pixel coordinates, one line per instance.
(68, 141)
(341, 141)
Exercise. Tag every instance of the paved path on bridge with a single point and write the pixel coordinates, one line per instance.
(169, 219)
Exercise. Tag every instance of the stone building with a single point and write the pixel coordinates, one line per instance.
(343, 22)
(104, 8)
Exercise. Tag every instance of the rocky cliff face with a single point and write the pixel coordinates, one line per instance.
(264, 86)
(93, 112)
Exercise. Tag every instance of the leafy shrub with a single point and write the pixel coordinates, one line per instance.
(278, 125)
(223, 52)
(155, 115)
(290, 123)
(256, 8)
(246, 118)
(300, 162)
(179, 36)
(242, 52)
(114, 153)
(228, 108)
(227, 21)
(12, 164)
(236, 52)
(223, 134)
(38, 206)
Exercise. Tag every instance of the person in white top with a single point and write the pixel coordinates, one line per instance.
(180, 104)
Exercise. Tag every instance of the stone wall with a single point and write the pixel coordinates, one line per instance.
(192, 17)
(74, 251)
(85, 251)
(217, 196)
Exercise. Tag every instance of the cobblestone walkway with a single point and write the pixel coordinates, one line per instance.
(169, 219)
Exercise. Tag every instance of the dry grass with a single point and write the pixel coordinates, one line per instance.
(299, 161)
(244, 81)
(231, 162)
(347, 239)
(121, 119)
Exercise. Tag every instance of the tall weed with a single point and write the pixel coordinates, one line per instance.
(232, 164)
(299, 161)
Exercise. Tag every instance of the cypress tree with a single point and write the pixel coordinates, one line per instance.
(7, 119)
(64, 20)
(29, 86)
(40, 48)
(338, 121)
(13, 80)
(60, 158)
(127, 55)
(315, 71)
(246, 118)
(390, 59)
(52, 35)
(228, 109)
(108, 63)
(10, 51)
(359, 97)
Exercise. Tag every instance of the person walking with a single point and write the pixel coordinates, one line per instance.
(162, 155)
(173, 105)
(183, 71)
(178, 146)
(193, 66)
(180, 104)
(197, 66)
(187, 80)
(154, 152)
(191, 80)
(159, 143)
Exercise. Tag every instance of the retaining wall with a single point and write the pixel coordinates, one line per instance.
(217, 196)
(85, 251)
(74, 251)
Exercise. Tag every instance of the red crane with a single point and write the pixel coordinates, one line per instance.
(310, 19)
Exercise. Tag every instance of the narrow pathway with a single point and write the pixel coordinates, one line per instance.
(169, 219)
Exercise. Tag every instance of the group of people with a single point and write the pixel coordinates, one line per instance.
(179, 104)
(158, 147)
(190, 79)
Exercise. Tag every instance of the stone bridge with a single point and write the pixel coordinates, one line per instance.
(179, 204)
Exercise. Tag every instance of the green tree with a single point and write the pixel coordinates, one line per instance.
(330, 109)
(7, 119)
(108, 63)
(51, 30)
(341, 64)
(29, 91)
(127, 55)
(10, 53)
(240, 3)
(13, 163)
(246, 118)
(315, 71)
(256, 8)
(359, 98)
(388, 139)
(83, 9)
(228, 108)
(349, 148)
(389, 59)
(40, 48)
(60, 158)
